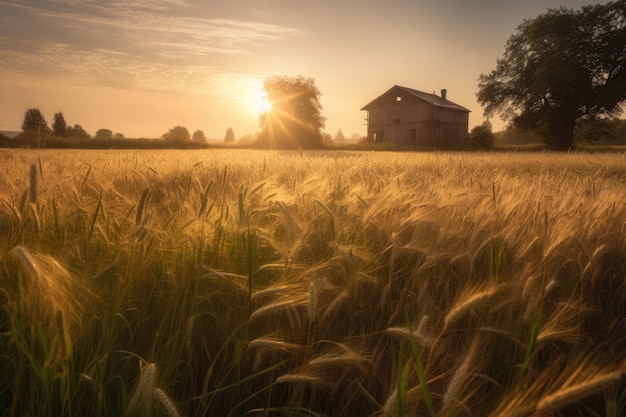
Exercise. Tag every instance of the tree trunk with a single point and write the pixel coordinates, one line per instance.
(561, 134)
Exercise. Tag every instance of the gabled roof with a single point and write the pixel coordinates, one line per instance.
(432, 99)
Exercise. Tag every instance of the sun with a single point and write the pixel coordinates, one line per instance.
(261, 102)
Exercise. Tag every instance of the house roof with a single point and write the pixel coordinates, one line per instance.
(432, 99)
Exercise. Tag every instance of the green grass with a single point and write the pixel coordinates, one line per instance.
(238, 282)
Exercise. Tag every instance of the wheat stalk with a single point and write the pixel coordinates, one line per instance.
(144, 391)
(343, 357)
(33, 184)
(457, 382)
(315, 287)
(167, 403)
(334, 306)
(418, 332)
(142, 203)
(27, 261)
(300, 379)
(575, 393)
(273, 344)
(466, 305)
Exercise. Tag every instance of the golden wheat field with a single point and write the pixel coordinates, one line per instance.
(259, 283)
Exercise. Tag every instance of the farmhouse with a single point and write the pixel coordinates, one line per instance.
(405, 116)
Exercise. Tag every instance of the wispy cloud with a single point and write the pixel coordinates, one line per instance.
(152, 44)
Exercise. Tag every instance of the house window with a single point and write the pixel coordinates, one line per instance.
(413, 135)
(397, 121)
(398, 98)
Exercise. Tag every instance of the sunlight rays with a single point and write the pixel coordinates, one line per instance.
(281, 121)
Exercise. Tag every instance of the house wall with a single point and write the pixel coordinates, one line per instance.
(410, 121)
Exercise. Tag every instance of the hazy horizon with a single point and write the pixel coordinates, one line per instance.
(142, 67)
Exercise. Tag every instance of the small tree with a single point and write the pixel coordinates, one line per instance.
(119, 136)
(104, 134)
(482, 136)
(35, 127)
(77, 131)
(229, 137)
(295, 118)
(34, 122)
(59, 126)
(339, 137)
(177, 134)
(198, 136)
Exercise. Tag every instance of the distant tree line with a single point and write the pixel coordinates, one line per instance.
(37, 134)
(294, 121)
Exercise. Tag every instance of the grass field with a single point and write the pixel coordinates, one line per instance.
(217, 283)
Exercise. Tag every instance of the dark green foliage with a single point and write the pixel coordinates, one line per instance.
(559, 67)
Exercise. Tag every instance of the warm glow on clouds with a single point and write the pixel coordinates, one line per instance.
(171, 55)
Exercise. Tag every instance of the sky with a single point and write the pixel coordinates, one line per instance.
(141, 67)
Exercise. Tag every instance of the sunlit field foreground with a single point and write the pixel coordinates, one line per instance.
(216, 283)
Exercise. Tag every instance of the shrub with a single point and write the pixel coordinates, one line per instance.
(482, 136)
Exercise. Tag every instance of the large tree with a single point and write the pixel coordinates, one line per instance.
(560, 68)
(294, 118)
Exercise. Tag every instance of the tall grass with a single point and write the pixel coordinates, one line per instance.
(313, 283)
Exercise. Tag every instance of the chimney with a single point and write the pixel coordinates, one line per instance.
(444, 93)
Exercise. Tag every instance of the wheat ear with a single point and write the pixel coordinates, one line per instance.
(575, 393)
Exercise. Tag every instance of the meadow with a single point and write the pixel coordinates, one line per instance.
(266, 283)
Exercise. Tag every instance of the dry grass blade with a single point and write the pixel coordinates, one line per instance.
(33, 184)
(141, 206)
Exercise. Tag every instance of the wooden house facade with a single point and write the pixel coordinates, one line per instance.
(405, 116)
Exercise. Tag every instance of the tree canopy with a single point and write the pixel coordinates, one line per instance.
(229, 137)
(198, 136)
(104, 134)
(34, 122)
(59, 125)
(77, 131)
(177, 134)
(560, 68)
(294, 119)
